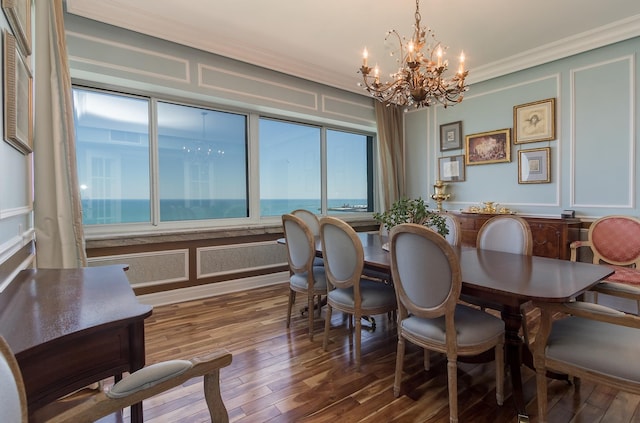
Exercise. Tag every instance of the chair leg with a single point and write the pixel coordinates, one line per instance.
(452, 376)
(327, 326)
(217, 410)
(358, 336)
(541, 382)
(499, 359)
(311, 314)
(426, 359)
(399, 365)
(292, 299)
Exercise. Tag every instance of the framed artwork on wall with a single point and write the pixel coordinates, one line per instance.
(18, 98)
(488, 147)
(533, 122)
(451, 136)
(18, 13)
(451, 169)
(533, 166)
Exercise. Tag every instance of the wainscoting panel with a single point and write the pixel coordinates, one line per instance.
(227, 259)
(151, 268)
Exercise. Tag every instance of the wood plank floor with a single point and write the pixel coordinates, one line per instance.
(278, 375)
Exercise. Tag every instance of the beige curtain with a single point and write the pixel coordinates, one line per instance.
(57, 208)
(390, 152)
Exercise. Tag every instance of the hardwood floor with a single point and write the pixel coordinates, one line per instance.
(278, 375)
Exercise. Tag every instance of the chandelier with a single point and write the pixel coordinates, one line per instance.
(420, 80)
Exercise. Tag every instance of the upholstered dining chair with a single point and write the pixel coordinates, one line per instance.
(594, 343)
(305, 277)
(313, 223)
(428, 280)
(454, 237)
(140, 385)
(615, 241)
(347, 290)
(509, 234)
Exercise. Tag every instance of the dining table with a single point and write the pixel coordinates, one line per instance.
(507, 281)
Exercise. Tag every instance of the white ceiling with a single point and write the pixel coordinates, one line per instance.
(323, 40)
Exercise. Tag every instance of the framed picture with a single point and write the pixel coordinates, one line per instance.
(18, 13)
(451, 169)
(488, 147)
(535, 121)
(451, 136)
(533, 166)
(18, 98)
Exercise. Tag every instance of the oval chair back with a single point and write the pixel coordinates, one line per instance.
(509, 234)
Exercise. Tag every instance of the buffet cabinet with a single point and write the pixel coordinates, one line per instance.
(551, 236)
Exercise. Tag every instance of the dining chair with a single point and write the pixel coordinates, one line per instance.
(304, 276)
(615, 241)
(428, 280)
(312, 221)
(347, 290)
(454, 237)
(138, 386)
(509, 234)
(594, 343)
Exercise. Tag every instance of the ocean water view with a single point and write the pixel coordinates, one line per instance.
(107, 211)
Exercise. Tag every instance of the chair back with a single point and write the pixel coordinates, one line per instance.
(13, 400)
(616, 240)
(509, 234)
(454, 237)
(300, 244)
(310, 219)
(342, 252)
(426, 271)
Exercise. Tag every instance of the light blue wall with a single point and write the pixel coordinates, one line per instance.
(594, 160)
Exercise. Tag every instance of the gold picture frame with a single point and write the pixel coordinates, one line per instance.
(488, 147)
(18, 98)
(533, 166)
(18, 13)
(533, 122)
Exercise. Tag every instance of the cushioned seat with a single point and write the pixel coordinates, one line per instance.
(614, 241)
(304, 276)
(428, 280)
(596, 343)
(347, 290)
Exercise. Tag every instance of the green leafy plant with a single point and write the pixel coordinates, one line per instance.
(407, 210)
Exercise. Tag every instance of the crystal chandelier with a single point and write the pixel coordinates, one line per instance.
(419, 81)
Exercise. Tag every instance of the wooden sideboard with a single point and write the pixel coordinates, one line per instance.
(551, 236)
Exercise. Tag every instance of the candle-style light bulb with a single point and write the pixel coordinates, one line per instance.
(439, 54)
(376, 73)
(365, 56)
(461, 67)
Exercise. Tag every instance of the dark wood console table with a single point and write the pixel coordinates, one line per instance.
(551, 236)
(71, 328)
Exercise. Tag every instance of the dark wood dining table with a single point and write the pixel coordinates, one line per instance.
(508, 281)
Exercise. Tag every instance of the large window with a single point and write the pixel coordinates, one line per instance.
(112, 149)
(202, 163)
(146, 161)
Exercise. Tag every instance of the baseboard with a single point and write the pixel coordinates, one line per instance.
(213, 289)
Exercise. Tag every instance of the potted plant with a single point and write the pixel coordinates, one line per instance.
(408, 210)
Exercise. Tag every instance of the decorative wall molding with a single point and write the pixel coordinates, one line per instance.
(244, 85)
(129, 55)
(228, 259)
(150, 268)
(631, 153)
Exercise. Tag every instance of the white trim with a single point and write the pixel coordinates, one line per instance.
(186, 78)
(632, 133)
(212, 289)
(16, 211)
(608, 34)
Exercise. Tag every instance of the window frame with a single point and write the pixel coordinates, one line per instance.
(155, 226)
